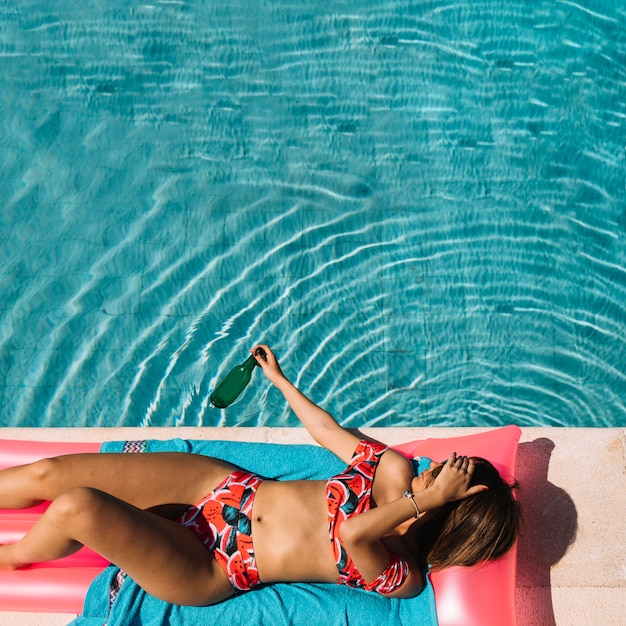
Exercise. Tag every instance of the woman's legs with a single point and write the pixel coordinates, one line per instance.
(144, 480)
(164, 558)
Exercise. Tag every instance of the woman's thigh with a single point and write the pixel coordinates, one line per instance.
(144, 480)
(164, 558)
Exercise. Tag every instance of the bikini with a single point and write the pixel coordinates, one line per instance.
(349, 494)
(222, 521)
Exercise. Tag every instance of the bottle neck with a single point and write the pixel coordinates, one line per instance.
(250, 363)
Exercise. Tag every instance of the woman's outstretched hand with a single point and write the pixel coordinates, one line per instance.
(321, 425)
(268, 362)
(453, 482)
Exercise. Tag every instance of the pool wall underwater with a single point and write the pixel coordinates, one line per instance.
(420, 206)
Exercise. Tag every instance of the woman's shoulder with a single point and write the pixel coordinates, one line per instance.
(394, 462)
(393, 474)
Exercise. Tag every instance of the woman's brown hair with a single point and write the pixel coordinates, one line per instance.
(481, 527)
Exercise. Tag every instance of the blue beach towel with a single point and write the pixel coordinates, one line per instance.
(279, 604)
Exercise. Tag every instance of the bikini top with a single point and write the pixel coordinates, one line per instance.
(349, 494)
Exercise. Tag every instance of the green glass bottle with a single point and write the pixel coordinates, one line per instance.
(234, 383)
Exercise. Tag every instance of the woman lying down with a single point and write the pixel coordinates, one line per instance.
(194, 530)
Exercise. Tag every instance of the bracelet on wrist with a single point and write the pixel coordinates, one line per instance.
(409, 494)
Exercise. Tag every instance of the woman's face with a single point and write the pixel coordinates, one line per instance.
(426, 478)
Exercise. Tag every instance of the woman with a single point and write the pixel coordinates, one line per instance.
(373, 526)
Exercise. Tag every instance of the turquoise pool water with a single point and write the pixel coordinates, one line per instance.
(420, 205)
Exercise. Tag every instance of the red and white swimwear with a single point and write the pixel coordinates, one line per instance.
(348, 494)
(222, 521)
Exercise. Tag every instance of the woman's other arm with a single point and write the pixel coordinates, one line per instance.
(362, 533)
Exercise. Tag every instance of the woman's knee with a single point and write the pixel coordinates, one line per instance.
(79, 505)
(44, 477)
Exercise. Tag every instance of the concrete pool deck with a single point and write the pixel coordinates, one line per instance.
(572, 556)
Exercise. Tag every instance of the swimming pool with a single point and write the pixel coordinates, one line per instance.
(420, 206)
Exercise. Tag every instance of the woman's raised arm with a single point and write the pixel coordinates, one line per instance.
(320, 424)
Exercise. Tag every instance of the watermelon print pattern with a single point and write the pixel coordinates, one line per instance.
(222, 521)
(348, 494)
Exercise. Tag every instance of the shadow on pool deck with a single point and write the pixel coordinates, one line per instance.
(549, 527)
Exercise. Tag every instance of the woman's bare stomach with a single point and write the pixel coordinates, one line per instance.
(290, 532)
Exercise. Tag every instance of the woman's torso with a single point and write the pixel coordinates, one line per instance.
(290, 532)
(290, 525)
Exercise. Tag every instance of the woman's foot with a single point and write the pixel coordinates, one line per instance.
(6, 560)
